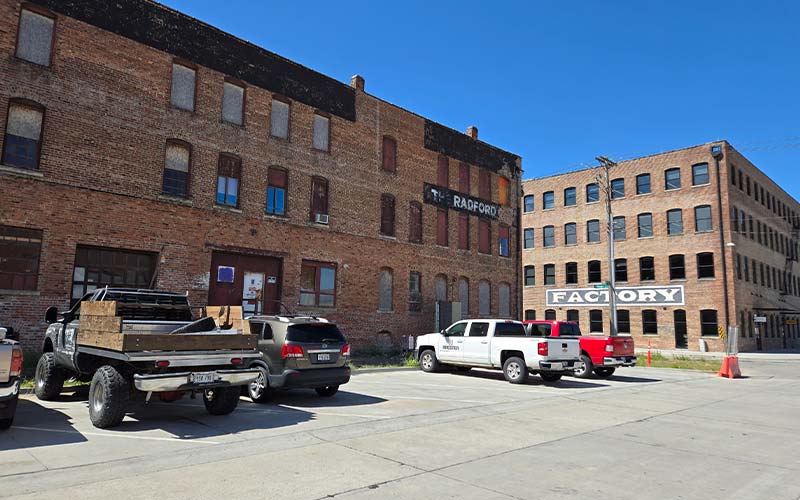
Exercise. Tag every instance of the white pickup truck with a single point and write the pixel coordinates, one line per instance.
(498, 343)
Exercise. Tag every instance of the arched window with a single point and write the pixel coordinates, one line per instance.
(389, 154)
(440, 283)
(530, 275)
(550, 314)
(484, 298)
(386, 290)
(504, 300)
(705, 265)
(463, 296)
(530, 314)
(177, 162)
(387, 215)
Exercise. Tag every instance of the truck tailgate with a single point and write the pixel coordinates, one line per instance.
(623, 346)
(5, 362)
(561, 348)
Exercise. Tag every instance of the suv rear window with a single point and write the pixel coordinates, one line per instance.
(509, 330)
(569, 330)
(314, 332)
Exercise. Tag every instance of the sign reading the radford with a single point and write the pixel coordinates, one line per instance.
(626, 296)
(444, 197)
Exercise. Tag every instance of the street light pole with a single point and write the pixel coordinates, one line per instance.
(612, 292)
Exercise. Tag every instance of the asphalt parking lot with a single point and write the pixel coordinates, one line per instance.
(647, 433)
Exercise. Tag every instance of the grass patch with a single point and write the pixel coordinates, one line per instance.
(657, 360)
(364, 360)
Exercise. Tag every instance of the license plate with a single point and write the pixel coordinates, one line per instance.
(556, 366)
(323, 357)
(203, 377)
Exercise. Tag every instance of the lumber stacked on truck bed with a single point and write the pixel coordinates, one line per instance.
(101, 327)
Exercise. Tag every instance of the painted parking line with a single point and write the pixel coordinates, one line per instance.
(113, 435)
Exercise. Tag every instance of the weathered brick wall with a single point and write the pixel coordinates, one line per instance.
(106, 123)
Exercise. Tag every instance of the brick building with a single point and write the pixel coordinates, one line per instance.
(694, 227)
(142, 147)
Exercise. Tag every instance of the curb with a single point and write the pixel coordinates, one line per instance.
(355, 371)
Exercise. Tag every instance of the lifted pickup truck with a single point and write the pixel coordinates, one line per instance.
(127, 340)
(10, 370)
(497, 343)
(599, 355)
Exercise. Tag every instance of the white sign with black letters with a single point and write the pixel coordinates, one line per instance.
(641, 296)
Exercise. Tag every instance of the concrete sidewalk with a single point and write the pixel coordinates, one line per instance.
(754, 356)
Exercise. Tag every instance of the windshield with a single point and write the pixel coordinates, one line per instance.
(314, 332)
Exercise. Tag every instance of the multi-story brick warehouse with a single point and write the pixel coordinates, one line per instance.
(142, 147)
(702, 218)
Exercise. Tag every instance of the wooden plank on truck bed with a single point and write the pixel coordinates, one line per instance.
(227, 316)
(99, 308)
(186, 342)
(96, 338)
(111, 324)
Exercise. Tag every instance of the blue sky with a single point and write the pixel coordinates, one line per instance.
(559, 82)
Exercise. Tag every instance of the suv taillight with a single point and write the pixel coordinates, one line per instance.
(291, 351)
(16, 362)
(346, 350)
(542, 347)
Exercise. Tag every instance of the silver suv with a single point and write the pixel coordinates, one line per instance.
(298, 352)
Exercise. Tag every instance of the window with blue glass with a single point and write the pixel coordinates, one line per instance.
(229, 172)
(528, 203)
(617, 188)
(276, 191)
(643, 184)
(528, 237)
(672, 178)
(592, 193)
(700, 175)
(548, 200)
(502, 240)
(570, 196)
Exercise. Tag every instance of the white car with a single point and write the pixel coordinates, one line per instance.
(498, 343)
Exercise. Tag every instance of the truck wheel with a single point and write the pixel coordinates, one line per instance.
(258, 390)
(586, 371)
(428, 362)
(550, 377)
(515, 370)
(49, 378)
(109, 393)
(11, 408)
(221, 400)
(327, 391)
(604, 372)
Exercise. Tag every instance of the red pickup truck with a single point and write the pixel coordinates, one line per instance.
(600, 355)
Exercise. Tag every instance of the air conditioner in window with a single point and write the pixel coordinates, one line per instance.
(321, 218)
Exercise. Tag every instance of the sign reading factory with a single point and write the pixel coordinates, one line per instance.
(628, 296)
(447, 198)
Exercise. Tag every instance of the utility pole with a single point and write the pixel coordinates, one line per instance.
(605, 181)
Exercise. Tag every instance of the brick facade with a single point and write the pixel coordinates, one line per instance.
(99, 182)
(744, 297)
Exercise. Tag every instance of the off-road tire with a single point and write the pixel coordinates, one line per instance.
(221, 400)
(588, 367)
(604, 372)
(515, 370)
(550, 377)
(327, 391)
(49, 378)
(259, 390)
(428, 362)
(109, 394)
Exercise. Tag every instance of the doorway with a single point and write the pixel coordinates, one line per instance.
(250, 281)
(681, 335)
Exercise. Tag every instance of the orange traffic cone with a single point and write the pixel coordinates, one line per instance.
(730, 367)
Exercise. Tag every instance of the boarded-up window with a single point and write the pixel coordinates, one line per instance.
(277, 183)
(441, 228)
(503, 190)
(484, 298)
(387, 215)
(176, 168)
(463, 178)
(414, 291)
(441, 287)
(279, 119)
(389, 154)
(228, 175)
(35, 39)
(321, 139)
(99, 267)
(504, 300)
(463, 296)
(484, 237)
(19, 258)
(485, 184)
(385, 290)
(183, 87)
(503, 240)
(443, 172)
(233, 103)
(463, 231)
(22, 142)
(319, 197)
(415, 222)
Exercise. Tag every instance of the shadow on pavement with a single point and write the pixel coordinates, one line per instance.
(633, 380)
(36, 426)
(564, 383)
(310, 399)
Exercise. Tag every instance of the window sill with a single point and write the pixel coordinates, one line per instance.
(593, 242)
(178, 200)
(671, 190)
(592, 202)
(548, 209)
(387, 237)
(644, 194)
(704, 232)
(676, 234)
(701, 185)
(650, 335)
(29, 293)
(22, 172)
(282, 218)
(713, 278)
(385, 312)
(677, 280)
(645, 237)
(571, 206)
(223, 208)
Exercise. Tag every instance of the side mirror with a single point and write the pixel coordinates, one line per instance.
(51, 315)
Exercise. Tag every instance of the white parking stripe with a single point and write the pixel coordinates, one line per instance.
(109, 434)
